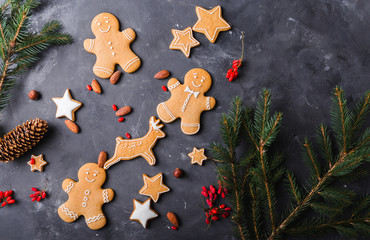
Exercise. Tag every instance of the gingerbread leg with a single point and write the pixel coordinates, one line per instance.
(102, 69)
(97, 221)
(66, 213)
(164, 113)
(190, 128)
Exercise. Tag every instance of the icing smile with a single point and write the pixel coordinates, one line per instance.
(105, 30)
(90, 180)
(196, 85)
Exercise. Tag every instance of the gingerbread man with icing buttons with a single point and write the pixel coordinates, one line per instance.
(86, 197)
(111, 46)
(187, 100)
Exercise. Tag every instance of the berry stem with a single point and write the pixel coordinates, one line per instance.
(241, 57)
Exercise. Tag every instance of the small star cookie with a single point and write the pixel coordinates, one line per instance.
(197, 156)
(39, 163)
(210, 23)
(66, 106)
(153, 186)
(183, 40)
(143, 212)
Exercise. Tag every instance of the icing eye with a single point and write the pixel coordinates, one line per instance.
(195, 76)
(202, 80)
(99, 23)
(94, 174)
(107, 21)
(87, 172)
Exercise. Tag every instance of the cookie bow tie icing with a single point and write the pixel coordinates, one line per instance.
(187, 89)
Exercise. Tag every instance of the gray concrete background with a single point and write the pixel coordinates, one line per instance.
(298, 49)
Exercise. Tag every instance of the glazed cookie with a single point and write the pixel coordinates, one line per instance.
(153, 186)
(187, 100)
(210, 23)
(127, 149)
(66, 106)
(143, 212)
(183, 40)
(86, 197)
(111, 46)
(197, 156)
(38, 163)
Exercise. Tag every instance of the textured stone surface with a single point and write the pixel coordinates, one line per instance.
(298, 49)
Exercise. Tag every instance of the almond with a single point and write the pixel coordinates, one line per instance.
(96, 86)
(102, 159)
(123, 111)
(72, 126)
(115, 77)
(173, 219)
(162, 74)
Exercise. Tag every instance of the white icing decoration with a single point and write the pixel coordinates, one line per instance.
(109, 43)
(105, 30)
(99, 23)
(84, 204)
(87, 192)
(187, 89)
(127, 35)
(174, 85)
(69, 187)
(129, 63)
(107, 21)
(66, 105)
(106, 17)
(142, 212)
(87, 172)
(94, 174)
(94, 219)
(105, 196)
(208, 106)
(110, 47)
(92, 41)
(185, 47)
(68, 212)
(196, 85)
(200, 19)
(90, 180)
(113, 53)
(103, 69)
(86, 199)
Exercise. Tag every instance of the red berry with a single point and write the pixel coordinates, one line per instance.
(224, 215)
(164, 88)
(204, 188)
(6, 194)
(214, 211)
(38, 198)
(227, 214)
(10, 192)
(89, 87)
(33, 199)
(8, 198)
(227, 208)
(121, 119)
(207, 215)
(225, 190)
(114, 107)
(34, 189)
(236, 61)
(228, 75)
(209, 202)
(37, 193)
(210, 195)
(32, 161)
(174, 228)
(43, 195)
(215, 218)
(32, 195)
(204, 194)
(214, 197)
(219, 190)
(11, 201)
(235, 65)
(235, 74)
(223, 195)
(207, 221)
(222, 206)
(3, 204)
(1, 194)
(230, 71)
(128, 135)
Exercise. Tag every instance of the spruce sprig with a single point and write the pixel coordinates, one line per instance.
(19, 46)
(251, 174)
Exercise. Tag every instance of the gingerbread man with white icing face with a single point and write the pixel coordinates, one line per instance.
(187, 100)
(111, 46)
(86, 197)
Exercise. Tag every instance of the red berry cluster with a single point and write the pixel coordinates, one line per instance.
(213, 212)
(6, 198)
(232, 73)
(38, 195)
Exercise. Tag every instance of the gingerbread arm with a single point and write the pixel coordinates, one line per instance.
(172, 84)
(209, 103)
(129, 34)
(68, 184)
(89, 45)
(108, 195)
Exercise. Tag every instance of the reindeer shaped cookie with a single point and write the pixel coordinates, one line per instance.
(111, 46)
(127, 149)
(187, 100)
(86, 197)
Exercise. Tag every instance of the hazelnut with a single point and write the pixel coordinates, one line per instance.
(33, 95)
(178, 173)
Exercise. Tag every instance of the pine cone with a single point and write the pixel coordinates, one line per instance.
(21, 139)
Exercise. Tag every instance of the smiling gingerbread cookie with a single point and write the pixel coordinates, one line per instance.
(187, 100)
(86, 197)
(111, 46)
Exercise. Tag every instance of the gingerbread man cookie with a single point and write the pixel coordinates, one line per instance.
(187, 100)
(86, 197)
(111, 46)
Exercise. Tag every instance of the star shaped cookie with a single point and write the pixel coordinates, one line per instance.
(153, 186)
(183, 40)
(143, 212)
(210, 23)
(197, 156)
(66, 106)
(39, 163)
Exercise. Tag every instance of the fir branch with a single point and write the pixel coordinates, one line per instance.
(20, 48)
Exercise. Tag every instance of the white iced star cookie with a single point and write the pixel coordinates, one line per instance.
(197, 156)
(142, 212)
(66, 106)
